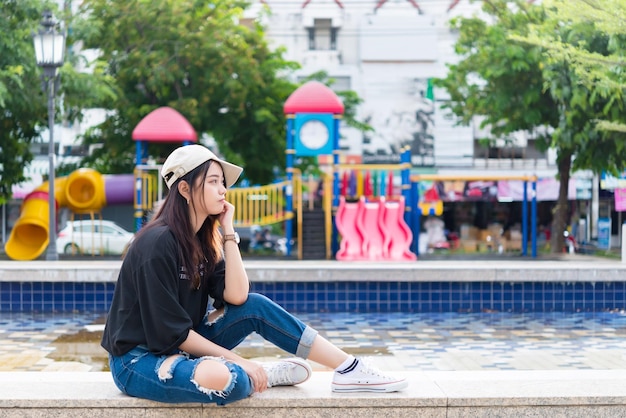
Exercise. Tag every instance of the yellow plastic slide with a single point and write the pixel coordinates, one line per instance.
(81, 191)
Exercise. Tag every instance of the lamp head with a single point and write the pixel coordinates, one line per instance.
(49, 44)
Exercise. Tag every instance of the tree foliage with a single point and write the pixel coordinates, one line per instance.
(23, 103)
(590, 36)
(507, 75)
(583, 74)
(22, 107)
(496, 79)
(196, 58)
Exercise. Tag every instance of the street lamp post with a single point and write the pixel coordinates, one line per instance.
(49, 51)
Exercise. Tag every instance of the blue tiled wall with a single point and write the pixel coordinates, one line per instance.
(352, 296)
(55, 297)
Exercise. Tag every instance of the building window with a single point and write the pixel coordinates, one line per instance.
(341, 83)
(311, 32)
(322, 36)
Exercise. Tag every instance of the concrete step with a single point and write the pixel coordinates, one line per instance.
(552, 393)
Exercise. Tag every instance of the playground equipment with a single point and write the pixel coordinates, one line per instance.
(84, 190)
(315, 106)
(87, 191)
(379, 209)
(265, 205)
(373, 229)
(397, 233)
(163, 124)
(373, 225)
(431, 203)
(313, 112)
(359, 180)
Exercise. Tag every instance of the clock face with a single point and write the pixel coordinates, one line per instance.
(314, 134)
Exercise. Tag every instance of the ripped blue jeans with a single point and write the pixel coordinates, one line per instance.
(138, 373)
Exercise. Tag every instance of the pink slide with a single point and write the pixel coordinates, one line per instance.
(399, 236)
(373, 230)
(369, 223)
(350, 247)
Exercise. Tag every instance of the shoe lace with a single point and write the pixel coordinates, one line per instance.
(368, 368)
(279, 374)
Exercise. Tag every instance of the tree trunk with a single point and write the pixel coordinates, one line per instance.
(559, 213)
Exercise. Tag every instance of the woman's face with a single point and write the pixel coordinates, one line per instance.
(211, 194)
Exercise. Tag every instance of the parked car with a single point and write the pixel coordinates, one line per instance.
(93, 237)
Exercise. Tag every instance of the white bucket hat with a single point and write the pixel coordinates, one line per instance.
(184, 159)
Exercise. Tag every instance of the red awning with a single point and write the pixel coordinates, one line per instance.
(313, 97)
(164, 125)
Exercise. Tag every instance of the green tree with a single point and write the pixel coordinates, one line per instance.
(499, 80)
(22, 107)
(515, 86)
(194, 57)
(583, 47)
(601, 71)
(604, 73)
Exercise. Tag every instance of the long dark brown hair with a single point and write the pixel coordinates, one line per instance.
(204, 247)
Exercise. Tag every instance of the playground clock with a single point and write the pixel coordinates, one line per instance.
(314, 134)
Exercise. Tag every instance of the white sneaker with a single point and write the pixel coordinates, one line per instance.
(365, 378)
(288, 372)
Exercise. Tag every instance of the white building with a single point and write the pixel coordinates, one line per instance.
(386, 51)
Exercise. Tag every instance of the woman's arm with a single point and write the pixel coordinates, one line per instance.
(198, 346)
(236, 286)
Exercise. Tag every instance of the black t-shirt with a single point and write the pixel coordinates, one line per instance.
(154, 303)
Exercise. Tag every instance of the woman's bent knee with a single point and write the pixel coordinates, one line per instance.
(179, 378)
(212, 376)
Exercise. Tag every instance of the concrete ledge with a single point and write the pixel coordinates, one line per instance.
(568, 271)
(576, 393)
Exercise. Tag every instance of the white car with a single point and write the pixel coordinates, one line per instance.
(93, 237)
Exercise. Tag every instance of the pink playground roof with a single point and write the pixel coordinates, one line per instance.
(313, 97)
(164, 125)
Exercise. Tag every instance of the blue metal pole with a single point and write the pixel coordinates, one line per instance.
(289, 192)
(525, 220)
(417, 214)
(334, 242)
(533, 220)
(138, 186)
(406, 185)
